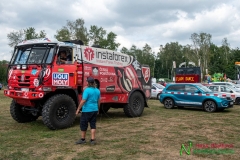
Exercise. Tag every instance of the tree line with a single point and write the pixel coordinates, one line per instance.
(211, 58)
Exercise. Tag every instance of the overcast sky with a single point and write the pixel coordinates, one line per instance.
(134, 21)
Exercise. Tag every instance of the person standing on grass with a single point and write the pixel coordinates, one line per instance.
(89, 104)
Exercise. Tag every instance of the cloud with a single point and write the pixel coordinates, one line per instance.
(136, 22)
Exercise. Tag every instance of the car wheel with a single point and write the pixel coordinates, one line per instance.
(168, 103)
(158, 96)
(238, 101)
(210, 106)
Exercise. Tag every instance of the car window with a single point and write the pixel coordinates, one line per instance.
(214, 88)
(228, 90)
(176, 88)
(225, 89)
(204, 88)
(190, 88)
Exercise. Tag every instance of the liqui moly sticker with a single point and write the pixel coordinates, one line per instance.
(60, 79)
(146, 73)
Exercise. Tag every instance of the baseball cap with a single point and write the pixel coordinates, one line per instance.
(90, 79)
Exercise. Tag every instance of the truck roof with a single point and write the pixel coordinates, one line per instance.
(47, 40)
(39, 40)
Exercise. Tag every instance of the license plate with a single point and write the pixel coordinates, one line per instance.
(231, 103)
(25, 89)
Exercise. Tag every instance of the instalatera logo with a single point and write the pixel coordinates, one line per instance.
(89, 54)
(214, 148)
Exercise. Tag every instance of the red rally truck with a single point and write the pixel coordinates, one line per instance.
(41, 85)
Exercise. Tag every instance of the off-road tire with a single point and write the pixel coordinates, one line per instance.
(19, 114)
(135, 106)
(168, 103)
(59, 112)
(104, 108)
(209, 106)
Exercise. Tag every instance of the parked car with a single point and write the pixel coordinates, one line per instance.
(156, 90)
(194, 95)
(228, 84)
(1, 86)
(235, 94)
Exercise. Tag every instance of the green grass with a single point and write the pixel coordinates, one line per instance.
(157, 134)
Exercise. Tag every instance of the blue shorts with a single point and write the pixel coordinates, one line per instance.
(86, 117)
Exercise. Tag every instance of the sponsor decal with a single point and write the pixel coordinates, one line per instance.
(87, 73)
(124, 83)
(106, 57)
(10, 73)
(47, 73)
(105, 72)
(25, 94)
(146, 73)
(22, 78)
(110, 79)
(60, 70)
(136, 65)
(36, 82)
(115, 98)
(107, 79)
(103, 79)
(34, 72)
(87, 68)
(95, 71)
(40, 95)
(110, 88)
(60, 79)
(89, 53)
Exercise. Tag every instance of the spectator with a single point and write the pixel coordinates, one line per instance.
(89, 104)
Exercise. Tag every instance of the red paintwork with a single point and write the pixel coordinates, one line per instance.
(116, 83)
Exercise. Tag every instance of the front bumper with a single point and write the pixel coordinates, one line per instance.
(23, 94)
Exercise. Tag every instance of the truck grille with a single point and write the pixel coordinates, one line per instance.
(23, 81)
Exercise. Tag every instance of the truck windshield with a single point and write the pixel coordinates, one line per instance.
(33, 54)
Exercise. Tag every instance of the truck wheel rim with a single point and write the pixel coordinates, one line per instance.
(62, 112)
(136, 104)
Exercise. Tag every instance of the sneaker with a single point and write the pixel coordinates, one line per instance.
(81, 141)
(92, 142)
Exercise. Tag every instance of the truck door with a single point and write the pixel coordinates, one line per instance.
(64, 71)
